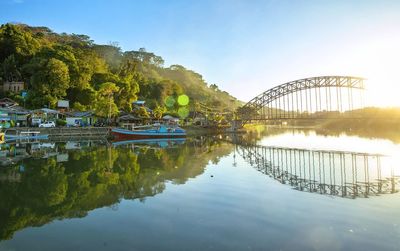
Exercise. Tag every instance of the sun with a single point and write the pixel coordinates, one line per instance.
(378, 61)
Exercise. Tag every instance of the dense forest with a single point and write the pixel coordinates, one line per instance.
(94, 77)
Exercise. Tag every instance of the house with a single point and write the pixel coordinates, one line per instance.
(198, 118)
(45, 114)
(170, 120)
(85, 118)
(13, 86)
(128, 121)
(63, 105)
(7, 102)
(136, 105)
(14, 115)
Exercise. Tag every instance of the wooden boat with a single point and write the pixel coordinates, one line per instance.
(156, 131)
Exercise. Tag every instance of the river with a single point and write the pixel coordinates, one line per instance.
(283, 189)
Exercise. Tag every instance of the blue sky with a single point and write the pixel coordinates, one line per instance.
(245, 47)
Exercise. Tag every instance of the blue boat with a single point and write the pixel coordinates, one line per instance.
(156, 131)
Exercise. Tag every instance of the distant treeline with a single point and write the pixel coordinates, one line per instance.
(69, 66)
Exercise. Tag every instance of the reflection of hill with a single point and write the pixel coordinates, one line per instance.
(92, 178)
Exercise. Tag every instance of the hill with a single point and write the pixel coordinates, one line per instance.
(92, 76)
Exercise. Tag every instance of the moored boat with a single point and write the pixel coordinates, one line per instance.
(154, 132)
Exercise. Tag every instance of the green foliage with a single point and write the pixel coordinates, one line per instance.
(49, 81)
(61, 122)
(245, 112)
(9, 69)
(105, 105)
(159, 111)
(70, 66)
(142, 112)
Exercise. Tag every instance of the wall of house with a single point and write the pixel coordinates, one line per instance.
(13, 86)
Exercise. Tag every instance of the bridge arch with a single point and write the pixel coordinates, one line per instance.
(309, 89)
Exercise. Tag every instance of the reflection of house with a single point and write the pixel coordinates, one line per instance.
(13, 86)
(86, 118)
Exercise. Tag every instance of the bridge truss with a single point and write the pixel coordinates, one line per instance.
(314, 97)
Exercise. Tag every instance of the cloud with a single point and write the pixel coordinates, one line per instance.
(18, 1)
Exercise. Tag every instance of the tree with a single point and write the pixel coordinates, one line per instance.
(14, 40)
(105, 105)
(142, 112)
(128, 85)
(159, 111)
(10, 70)
(50, 80)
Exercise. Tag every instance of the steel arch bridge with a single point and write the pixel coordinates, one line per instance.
(308, 98)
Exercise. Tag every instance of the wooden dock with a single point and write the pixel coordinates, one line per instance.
(70, 132)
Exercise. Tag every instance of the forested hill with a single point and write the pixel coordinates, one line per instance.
(70, 66)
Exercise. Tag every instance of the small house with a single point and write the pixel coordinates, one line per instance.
(136, 105)
(45, 114)
(14, 116)
(128, 121)
(7, 102)
(170, 119)
(85, 118)
(13, 86)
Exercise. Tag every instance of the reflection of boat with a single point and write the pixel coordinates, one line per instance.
(162, 143)
(154, 132)
(12, 134)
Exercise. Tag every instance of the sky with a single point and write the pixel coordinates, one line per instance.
(245, 47)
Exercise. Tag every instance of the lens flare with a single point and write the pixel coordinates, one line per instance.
(183, 100)
(169, 101)
(183, 112)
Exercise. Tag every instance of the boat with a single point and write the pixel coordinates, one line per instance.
(12, 134)
(156, 131)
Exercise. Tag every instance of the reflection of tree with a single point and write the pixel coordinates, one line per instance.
(93, 178)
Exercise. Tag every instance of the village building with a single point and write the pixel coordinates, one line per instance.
(7, 102)
(85, 118)
(14, 116)
(13, 86)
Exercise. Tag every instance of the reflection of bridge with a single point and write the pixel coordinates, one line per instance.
(311, 98)
(337, 173)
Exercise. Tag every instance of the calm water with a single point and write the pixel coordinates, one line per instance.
(284, 190)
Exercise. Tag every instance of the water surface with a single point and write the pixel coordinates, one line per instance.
(281, 190)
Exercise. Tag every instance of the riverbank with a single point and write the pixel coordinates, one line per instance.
(67, 132)
(104, 132)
